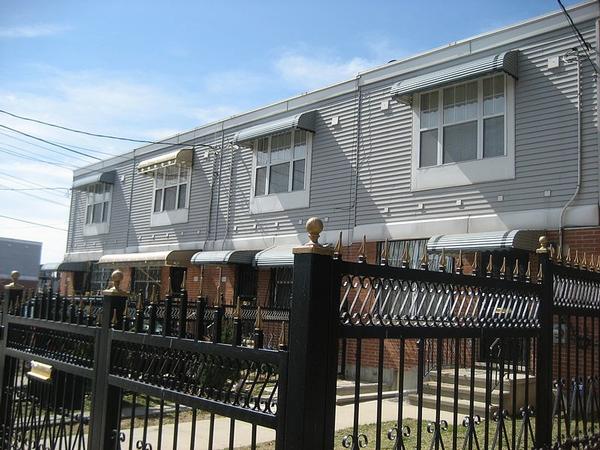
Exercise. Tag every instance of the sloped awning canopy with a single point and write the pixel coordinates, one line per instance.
(100, 177)
(279, 255)
(488, 241)
(502, 62)
(164, 258)
(183, 157)
(301, 121)
(224, 257)
(49, 267)
(73, 266)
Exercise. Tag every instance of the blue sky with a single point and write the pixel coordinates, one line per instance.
(149, 69)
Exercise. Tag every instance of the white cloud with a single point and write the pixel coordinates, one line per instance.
(312, 72)
(31, 31)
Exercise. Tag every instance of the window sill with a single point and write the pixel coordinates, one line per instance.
(95, 229)
(279, 202)
(164, 218)
(464, 173)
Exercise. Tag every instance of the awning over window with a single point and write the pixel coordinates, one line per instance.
(224, 257)
(165, 258)
(101, 177)
(181, 157)
(302, 121)
(279, 255)
(503, 62)
(50, 267)
(73, 267)
(495, 240)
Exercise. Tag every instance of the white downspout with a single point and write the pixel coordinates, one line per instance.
(579, 112)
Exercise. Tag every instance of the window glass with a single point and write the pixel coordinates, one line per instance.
(298, 175)
(493, 137)
(279, 178)
(88, 216)
(282, 279)
(262, 152)
(158, 200)
(429, 148)
(281, 147)
(261, 181)
(493, 95)
(460, 142)
(97, 213)
(299, 144)
(170, 198)
(182, 198)
(460, 103)
(104, 211)
(429, 108)
(171, 175)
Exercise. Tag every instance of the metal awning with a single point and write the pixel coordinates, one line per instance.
(494, 240)
(182, 157)
(224, 257)
(101, 177)
(279, 255)
(164, 258)
(301, 121)
(50, 267)
(503, 62)
(83, 266)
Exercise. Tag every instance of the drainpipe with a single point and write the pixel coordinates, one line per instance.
(566, 57)
(353, 211)
(227, 219)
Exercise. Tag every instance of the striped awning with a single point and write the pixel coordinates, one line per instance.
(488, 241)
(100, 177)
(182, 157)
(279, 255)
(301, 121)
(164, 258)
(224, 257)
(502, 62)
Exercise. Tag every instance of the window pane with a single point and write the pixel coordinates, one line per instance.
(280, 147)
(493, 95)
(460, 142)
(181, 200)
(471, 101)
(279, 178)
(493, 137)
(261, 181)
(429, 108)
(160, 178)
(172, 175)
(499, 94)
(170, 198)
(262, 152)
(97, 213)
(105, 212)
(158, 200)
(299, 144)
(429, 148)
(88, 216)
(298, 175)
(448, 105)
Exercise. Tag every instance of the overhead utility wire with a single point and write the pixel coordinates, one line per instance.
(49, 142)
(104, 136)
(38, 197)
(29, 158)
(31, 223)
(579, 36)
(22, 181)
(43, 147)
(36, 189)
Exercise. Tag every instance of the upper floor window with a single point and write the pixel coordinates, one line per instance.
(171, 186)
(281, 171)
(280, 163)
(97, 210)
(462, 126)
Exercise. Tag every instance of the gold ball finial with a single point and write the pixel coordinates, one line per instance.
(14, 276)
(117, 278)
(543, 248)
(314, 226)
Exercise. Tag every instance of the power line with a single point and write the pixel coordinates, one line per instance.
(37, 197)
(99, 135)
(22, 181)
(30, 158)
(31, 223)
(43, 147)
(579, 36)
(36, 189)
(50, 142)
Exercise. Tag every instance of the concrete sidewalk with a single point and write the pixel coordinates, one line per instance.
(344, 419)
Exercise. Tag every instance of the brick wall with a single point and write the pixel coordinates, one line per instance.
(206, 280)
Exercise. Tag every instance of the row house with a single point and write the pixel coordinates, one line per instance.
(480, 145)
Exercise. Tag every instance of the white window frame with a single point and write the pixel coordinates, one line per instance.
(92, 198)
(463, 173)
(281, 201)
(174, 216)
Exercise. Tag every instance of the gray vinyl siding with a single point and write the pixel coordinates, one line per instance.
(545, 145)
(347, 195)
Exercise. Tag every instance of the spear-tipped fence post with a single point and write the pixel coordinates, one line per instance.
(200, 310)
